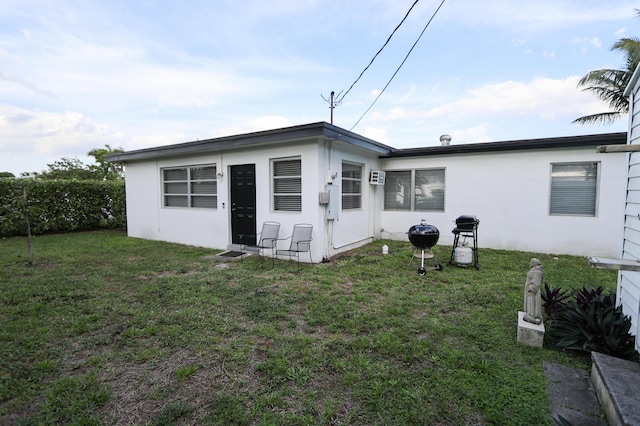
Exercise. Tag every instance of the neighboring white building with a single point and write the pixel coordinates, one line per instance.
(554, 195)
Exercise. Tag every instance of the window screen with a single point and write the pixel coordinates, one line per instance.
(573, 189)
(351, 186)
(397, 190)
(190, 187)
(429, 190)
(287, 185)
(414, 190)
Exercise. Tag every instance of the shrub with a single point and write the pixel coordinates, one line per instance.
(60, 206)
(554, 300)
(590, 322)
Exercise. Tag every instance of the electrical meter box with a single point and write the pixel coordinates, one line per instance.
(333, 207)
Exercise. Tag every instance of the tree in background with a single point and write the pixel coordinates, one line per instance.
(6, 175)
(609, 84)
(69, 168)
(110, 171)
(73, 168)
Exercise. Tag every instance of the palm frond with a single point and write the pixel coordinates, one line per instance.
(610, 84)
(602, 118)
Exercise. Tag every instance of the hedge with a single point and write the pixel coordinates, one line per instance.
(60, 206)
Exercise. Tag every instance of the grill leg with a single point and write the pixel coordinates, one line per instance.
(475, 248)
(456, 239)
(421, 269)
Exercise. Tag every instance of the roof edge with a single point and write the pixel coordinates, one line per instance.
(515, 145)
(263, 137)
(632, 82)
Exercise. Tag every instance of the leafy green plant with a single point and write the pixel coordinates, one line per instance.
(60, 206)
(591, 322)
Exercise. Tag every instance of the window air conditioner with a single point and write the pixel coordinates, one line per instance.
(376, 177)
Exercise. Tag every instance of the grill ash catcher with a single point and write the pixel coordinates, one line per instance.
(424, 237)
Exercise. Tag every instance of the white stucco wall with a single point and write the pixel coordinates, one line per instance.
(509, 193)
(353, 227)
(147, 218)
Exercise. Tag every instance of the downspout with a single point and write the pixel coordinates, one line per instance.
(328, 224)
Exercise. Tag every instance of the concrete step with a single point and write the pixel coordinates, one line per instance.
(572, 396)
(617, 384)
(609, 395)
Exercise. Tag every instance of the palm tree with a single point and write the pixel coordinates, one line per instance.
(109, 171)
(609, 85)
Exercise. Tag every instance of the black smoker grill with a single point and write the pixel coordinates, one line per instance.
(466, 226)
(424, 237)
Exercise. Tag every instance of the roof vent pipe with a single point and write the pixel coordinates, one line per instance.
(445, 140)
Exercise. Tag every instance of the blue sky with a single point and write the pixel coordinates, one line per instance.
(79, 74)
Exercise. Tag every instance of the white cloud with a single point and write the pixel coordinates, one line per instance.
(267, 122)
(7, 76)
(153, 139)
(36, 138)
(544, 97)
(535, 15)
(473, 134)
(181, 100)
(46, 132)
(586, 42)
(376, 133)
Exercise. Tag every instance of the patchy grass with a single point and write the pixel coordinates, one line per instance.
(105, 329)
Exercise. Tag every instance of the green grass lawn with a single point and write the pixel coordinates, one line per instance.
(106, 329)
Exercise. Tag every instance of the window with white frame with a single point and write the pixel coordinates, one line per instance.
(351, 186)
(574, 189)
(194, 186)
(414, 190)
(287, 184)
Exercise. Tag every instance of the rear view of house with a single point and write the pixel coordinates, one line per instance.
(218, 192)
(554, 195)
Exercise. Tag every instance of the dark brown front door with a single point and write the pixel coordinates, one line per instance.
(243, 204)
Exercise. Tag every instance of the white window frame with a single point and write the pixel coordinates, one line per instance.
(352, 183)
(413, 191)
(293, 193)
(575, 203)
(192, 187)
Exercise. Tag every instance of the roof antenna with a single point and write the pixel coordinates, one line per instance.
(332, 102)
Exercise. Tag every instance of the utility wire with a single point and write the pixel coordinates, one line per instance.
(397, 70)
(376, 55)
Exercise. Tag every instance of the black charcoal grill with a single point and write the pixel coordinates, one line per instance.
(424, 237)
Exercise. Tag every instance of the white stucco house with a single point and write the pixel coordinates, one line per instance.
(555, 195)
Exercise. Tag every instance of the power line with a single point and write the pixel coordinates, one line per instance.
(401, 64)
(376, 55)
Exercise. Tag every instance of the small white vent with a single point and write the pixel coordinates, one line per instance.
(376, 177)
